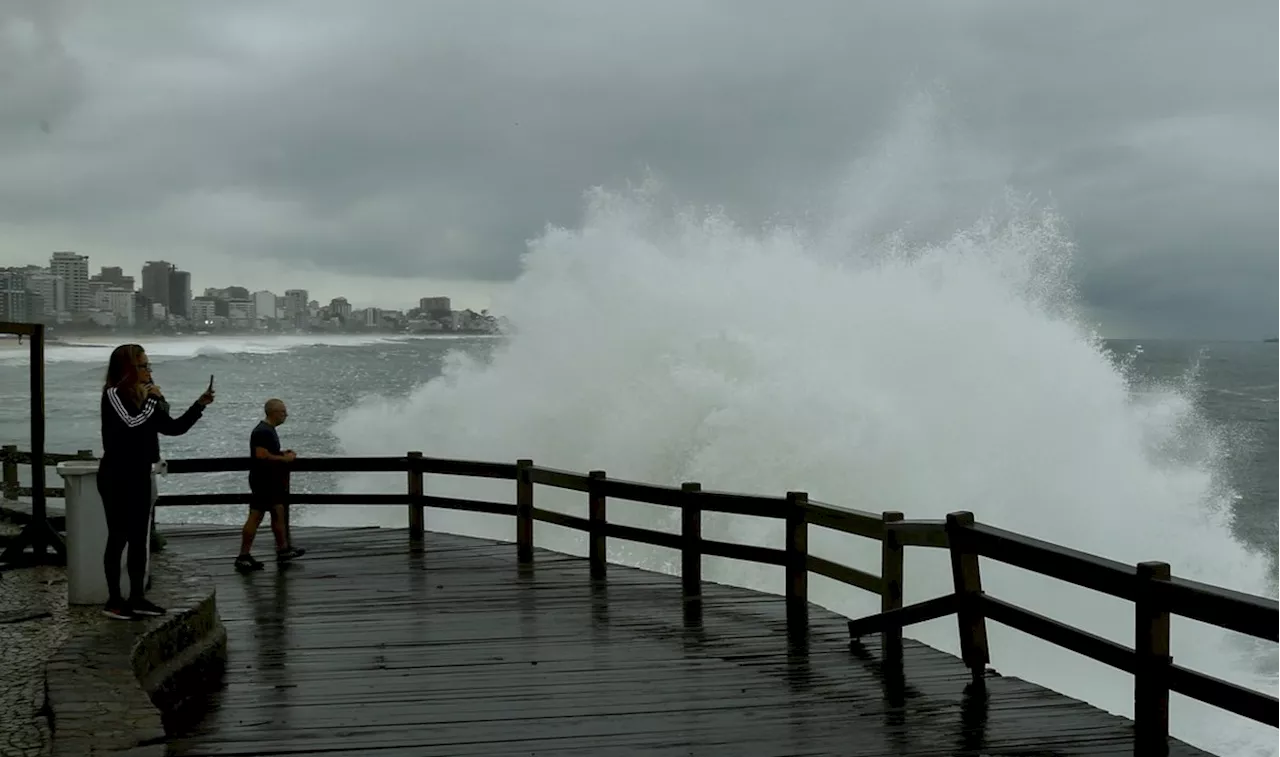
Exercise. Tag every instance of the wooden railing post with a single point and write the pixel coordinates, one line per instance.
(1151, 672)
(891, 554)
(968, 585)
(11, 484)
(417, 516)
(797, 560)
(691, 542)
(596, 515)
(524, 511)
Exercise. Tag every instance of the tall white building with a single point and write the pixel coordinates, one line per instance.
(52, 290)
(74, 270)
(264, 304)
(121, 303)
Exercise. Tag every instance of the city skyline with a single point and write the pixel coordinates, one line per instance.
(214, 271)
(320, 294)
(163, 296)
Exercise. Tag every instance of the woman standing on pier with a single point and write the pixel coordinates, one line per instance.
(133, 413)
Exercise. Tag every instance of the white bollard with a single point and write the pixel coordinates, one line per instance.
(87, 536)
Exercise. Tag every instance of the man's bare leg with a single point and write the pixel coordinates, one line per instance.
(250, 530)
(244, 561)
(279, 528)
(285, 551)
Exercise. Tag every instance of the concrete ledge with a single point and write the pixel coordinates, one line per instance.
(112, 686)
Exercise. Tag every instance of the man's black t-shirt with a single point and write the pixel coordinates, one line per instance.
(265, 474)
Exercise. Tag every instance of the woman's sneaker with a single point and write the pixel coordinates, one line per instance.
(147, 608)
(118, 610)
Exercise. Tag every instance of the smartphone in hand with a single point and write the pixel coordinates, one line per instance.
(207, 397)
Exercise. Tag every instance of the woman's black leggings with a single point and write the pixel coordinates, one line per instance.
(126, 498)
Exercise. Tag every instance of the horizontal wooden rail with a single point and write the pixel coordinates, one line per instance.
(293, 498)
(645, 536)
(747, 552)
(1234, 610)
(560, 479)
(1229, 696)
(304, 498)
(844, 574)
(1059, 634)
(636, 492)
(50, 458)
(1155, 593)
(299, 465)
(469, 505)
(438, 466)
(469, 468)
(561, 519)
(203, 500)
(735, 504)
(921, 533)
(1049, 559)
(845, 520)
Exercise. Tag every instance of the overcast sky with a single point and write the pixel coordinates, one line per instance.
(387, 150)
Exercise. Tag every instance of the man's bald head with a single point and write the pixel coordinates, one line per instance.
(275, 411)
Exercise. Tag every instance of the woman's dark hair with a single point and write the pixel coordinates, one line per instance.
(122, 371)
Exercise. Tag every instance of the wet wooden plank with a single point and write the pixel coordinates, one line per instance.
(363, 648)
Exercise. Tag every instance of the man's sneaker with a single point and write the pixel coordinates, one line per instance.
(146, 607)
(118, 610)
(285, 555)
(246, 564)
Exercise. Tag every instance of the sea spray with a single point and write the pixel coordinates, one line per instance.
(871, 370)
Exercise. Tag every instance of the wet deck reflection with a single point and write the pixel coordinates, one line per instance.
(363, 648)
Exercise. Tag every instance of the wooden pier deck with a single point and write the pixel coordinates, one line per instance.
(366, 648)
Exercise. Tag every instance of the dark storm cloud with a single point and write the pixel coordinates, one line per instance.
(434, 138)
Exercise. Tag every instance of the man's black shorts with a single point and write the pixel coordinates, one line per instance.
(264, 499)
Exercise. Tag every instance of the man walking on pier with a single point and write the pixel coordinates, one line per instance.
(269, 484)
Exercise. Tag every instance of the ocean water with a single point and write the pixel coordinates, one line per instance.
(882, 354)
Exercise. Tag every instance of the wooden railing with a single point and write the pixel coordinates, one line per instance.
(11, 458)
(1155, 593)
